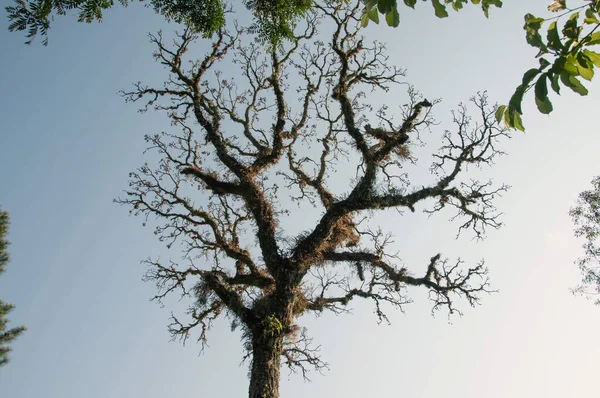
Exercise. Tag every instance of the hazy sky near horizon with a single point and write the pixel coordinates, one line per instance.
(68, 142)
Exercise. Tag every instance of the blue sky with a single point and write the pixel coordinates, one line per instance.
(68, 142)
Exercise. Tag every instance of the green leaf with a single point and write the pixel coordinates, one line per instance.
(590, 18)
(533, 22)
(532, 34)
(570, 67)
(513, 120)
(457, 5)
(440, 9)
(571, 30)
(386, 6)
(371, 4)
(410, 3)
(507, 122)
(517, 99)
(543, 63)
(544, 106)
(393, 18)
(553, 37)
(374, 15)
(593, 39)
(541, 88)
(529, 75)
(573, 83)
(518, 122)
(485, 6)
(593, 56)
(554, 82)
(584, 66)
(500, 113)
(364, 19)
(541, 95)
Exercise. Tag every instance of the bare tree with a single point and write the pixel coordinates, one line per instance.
(248, 146)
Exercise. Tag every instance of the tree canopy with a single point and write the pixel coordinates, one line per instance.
(6, 335)
(586, 216)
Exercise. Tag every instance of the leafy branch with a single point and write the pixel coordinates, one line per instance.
(564, 58)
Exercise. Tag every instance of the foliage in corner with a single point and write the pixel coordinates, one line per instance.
(389, 8)
(6, 335)
(565, 57)
(274, 19)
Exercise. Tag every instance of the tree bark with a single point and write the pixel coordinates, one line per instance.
(266, 364)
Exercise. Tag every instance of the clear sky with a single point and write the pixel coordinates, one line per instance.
(68, 142)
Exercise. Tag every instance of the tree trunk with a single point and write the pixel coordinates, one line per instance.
(266, 363)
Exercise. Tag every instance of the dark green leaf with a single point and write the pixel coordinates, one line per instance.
(544, 106)
(393, 18)
(553, 37)
(541, 95)
(529, 75)
(410, 3)
(554, 82)
(571, 30)
(585, 66)
(386, 6)
(541, 88)
(517, 99)
(371, 4)
(440, 9)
